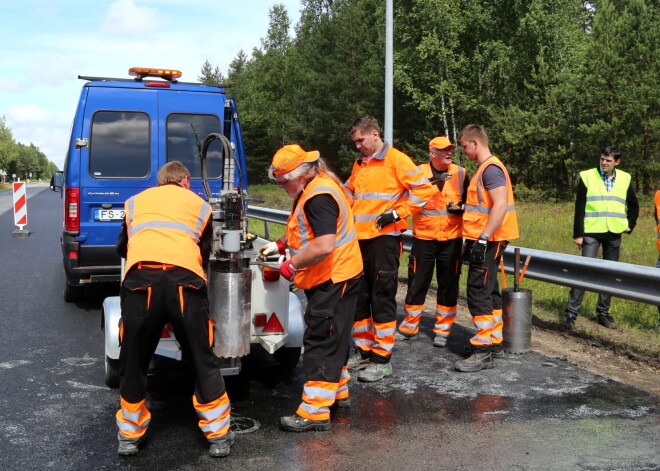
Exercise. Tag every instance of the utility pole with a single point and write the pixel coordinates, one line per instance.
(389, 69)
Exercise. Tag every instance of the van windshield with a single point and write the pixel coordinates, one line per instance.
(119, 145)
(185, 136)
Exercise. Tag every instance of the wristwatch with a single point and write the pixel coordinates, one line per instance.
(484, 236)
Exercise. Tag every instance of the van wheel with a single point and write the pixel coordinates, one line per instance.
(111, 372)
(73, 294)
(288, 358)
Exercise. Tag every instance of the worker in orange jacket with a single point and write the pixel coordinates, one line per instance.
(386, 187)
(437, 241)
(325, 262)
(166, 239)
(489, 223)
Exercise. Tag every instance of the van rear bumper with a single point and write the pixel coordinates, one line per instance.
(91, 264)
(78, 276)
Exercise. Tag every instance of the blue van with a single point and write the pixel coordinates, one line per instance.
(124, 130)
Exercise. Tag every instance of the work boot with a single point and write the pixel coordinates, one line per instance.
(497, 351)
(130, 447)
(342, 403)
(398, 335)
(567, 323)
(375, 372)
(477, 362)
(606, 321)
(440, 341)
(221, 447)
(296, 423)
(357, 361)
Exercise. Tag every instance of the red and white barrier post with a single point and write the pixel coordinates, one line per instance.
(20, 210)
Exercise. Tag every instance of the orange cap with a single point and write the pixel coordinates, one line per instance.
(440, 142)
(290, 157)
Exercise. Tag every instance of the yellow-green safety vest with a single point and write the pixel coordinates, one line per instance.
(605, 211)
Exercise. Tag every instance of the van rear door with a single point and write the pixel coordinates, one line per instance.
(121, 127)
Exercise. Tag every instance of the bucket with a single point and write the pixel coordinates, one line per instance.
(517, 317)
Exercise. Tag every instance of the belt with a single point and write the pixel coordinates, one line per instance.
(161, 266)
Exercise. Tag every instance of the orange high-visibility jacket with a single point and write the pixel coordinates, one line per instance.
(656, 200)
(345, 261)
(389, 180)
(164, 225)
(479, 204)
(434, 222)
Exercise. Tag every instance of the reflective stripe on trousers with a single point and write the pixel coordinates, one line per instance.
(444, 319)
(363, 334)
(214, 416)
(496, 337)
(317, 397)
(384, 338)
(132, 419)
(342, 390)
(484, 325)
(410, 324)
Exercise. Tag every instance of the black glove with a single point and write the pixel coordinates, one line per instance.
(478, 253)
(465, 251)
(455, 208)
(388, 217)
(439, 179)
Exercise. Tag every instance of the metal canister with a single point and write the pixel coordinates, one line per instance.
(517, 317)
(229, 297)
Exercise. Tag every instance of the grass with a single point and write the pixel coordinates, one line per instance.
(549, 227)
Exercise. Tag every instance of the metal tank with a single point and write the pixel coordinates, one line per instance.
(517, 317)
(229, 297)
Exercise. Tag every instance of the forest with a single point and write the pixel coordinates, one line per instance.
(553, 82)
(21, 160)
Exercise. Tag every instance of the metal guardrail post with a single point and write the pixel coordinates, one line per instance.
(621, 280)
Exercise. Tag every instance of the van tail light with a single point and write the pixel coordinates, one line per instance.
(72, 210)
(271, 274)
(273, 325)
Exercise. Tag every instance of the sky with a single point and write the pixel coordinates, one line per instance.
(45, 45)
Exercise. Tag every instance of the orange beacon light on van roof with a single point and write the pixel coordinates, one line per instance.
(167, 74)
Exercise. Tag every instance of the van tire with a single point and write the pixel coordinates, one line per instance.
(72, 293)
(288, 358)
(111, 372)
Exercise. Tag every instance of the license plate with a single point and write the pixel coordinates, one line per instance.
(109, 214)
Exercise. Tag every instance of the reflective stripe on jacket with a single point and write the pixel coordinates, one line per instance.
(479, 204)
(388, 180)
(605, 211)
(434, 222)
(656, 200)
(345, 261)
(164, 225)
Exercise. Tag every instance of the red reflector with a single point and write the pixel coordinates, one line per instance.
(273, 325)
(271, 274)
(164, 334)
(260, 320)
(157, 84)
(73, 254)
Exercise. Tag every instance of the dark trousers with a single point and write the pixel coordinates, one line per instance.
(483, 289)
(426, 255)
(611, 245)
(150, 298)
(377, 297)
(329, 320)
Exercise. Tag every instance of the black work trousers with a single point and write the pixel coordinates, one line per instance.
(445, 257)
(150, 298)
(483, 289)
(590, 244)
(329, 320)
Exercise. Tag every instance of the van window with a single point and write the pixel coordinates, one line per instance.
(119, 145)
(185, 136)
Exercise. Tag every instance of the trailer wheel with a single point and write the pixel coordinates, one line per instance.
(287, 358)
(111, 372)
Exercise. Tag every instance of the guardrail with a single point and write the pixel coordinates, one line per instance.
(621, 280)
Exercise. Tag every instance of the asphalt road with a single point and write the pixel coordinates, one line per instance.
(529, 413)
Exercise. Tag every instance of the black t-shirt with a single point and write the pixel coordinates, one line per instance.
(322, 213)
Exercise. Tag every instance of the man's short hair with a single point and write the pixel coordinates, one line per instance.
(172, 172)
(614, 151)
(364, 123)
(474, 131)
